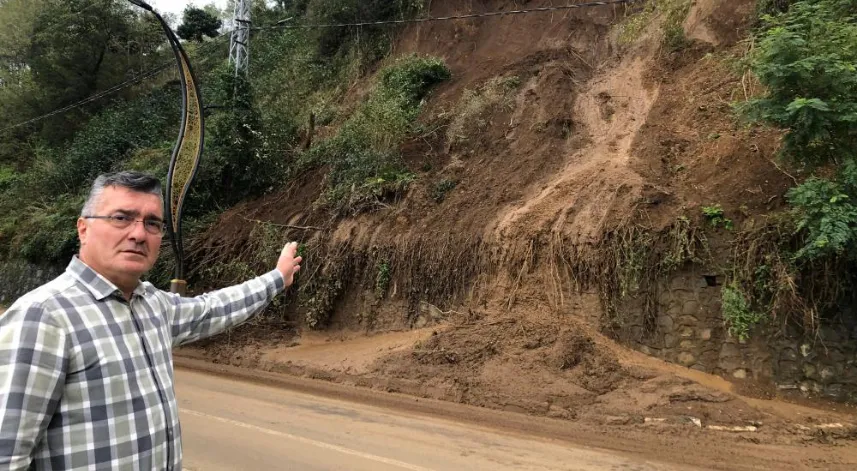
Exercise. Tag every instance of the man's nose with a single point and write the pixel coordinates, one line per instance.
(137, 232)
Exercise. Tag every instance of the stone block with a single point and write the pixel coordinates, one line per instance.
(810, 387)
(789, 354)
(687, 345)
(788, 370)
(829, 335)
(685, 332)
(809, 371)
(740, 373)
(730, 350)
(835, 356)
(670, 340)
(704, 334)
(827, 374)
(666, 323)
(835, 391)
(689, 321)
(686, 359)
(691, 308)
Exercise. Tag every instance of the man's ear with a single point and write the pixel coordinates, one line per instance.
(82, 230)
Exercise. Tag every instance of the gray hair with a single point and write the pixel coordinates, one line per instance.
(135, 181)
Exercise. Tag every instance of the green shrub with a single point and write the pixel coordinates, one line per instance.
(332, 40)
(806, 59)
(827, 211)
(43, 233)
(441, 188)
(364, 160)
(673, 12)
(737, 314)
(715, 217)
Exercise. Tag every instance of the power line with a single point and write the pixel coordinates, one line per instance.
(90, 99)
(114, 89)
(280, 24)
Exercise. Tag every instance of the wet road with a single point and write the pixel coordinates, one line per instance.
(232, 425)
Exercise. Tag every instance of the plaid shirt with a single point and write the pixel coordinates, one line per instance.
(86, 377)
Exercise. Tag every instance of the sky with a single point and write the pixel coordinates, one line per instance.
(177, 6)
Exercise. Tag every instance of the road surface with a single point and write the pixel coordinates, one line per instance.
(232, 425)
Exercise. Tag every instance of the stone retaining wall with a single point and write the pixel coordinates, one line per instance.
(18, 278)
(689, 330)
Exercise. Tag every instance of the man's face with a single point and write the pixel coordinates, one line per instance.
(121, 255)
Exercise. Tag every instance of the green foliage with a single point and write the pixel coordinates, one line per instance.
(43, 233)
(382, 278)
(673, 14)
(197, 23)
(737, 313)
(365, 167)
(469, 116)
(441, 188)
(715, 217)
(239, 162)
(373, 39)
(807, 60)
(827, 211)
(54, 66)
(772, 7)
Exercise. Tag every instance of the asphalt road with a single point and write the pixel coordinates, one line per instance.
(232, 425)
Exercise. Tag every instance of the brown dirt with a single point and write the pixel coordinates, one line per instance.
(598, 136)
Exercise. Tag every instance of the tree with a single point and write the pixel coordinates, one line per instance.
(197, 23)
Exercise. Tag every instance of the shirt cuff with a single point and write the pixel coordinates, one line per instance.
(275, 280)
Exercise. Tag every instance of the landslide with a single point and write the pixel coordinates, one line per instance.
(556, 136)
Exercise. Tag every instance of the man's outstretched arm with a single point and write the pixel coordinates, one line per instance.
(211, 313)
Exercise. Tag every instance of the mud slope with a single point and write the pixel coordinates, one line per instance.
(592, 135)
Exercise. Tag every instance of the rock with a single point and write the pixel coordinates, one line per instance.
(686, 359)
(670, 340)
(723, 428)
(618, 420)
(653, 420)
(788, 354)
(835, 391)
(695, 421)
(740, 373)
(805, 350)
(729, 350)
(810, 387)
(687, 345)
(688, 321)
(685, 332)
(827, 373)
(809, 371)
(691, 308)
(666, 323)
(788, 369)
(829, 335)
(704, 334)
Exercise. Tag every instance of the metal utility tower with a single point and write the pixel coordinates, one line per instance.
(239, 43)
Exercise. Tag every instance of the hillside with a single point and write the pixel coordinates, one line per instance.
(562, 214)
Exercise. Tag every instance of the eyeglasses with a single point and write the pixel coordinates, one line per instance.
(120, 221)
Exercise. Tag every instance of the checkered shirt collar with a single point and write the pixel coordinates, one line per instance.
(100, 287)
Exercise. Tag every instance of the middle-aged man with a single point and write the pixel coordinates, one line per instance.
(86, 366)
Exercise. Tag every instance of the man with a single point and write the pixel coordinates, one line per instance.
(86, 370)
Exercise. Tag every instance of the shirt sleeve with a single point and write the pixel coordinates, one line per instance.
(211, 313)
(33, 367)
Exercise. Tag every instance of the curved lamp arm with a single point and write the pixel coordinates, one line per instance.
(186, 152)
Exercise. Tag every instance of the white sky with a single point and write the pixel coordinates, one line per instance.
(176, 7)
